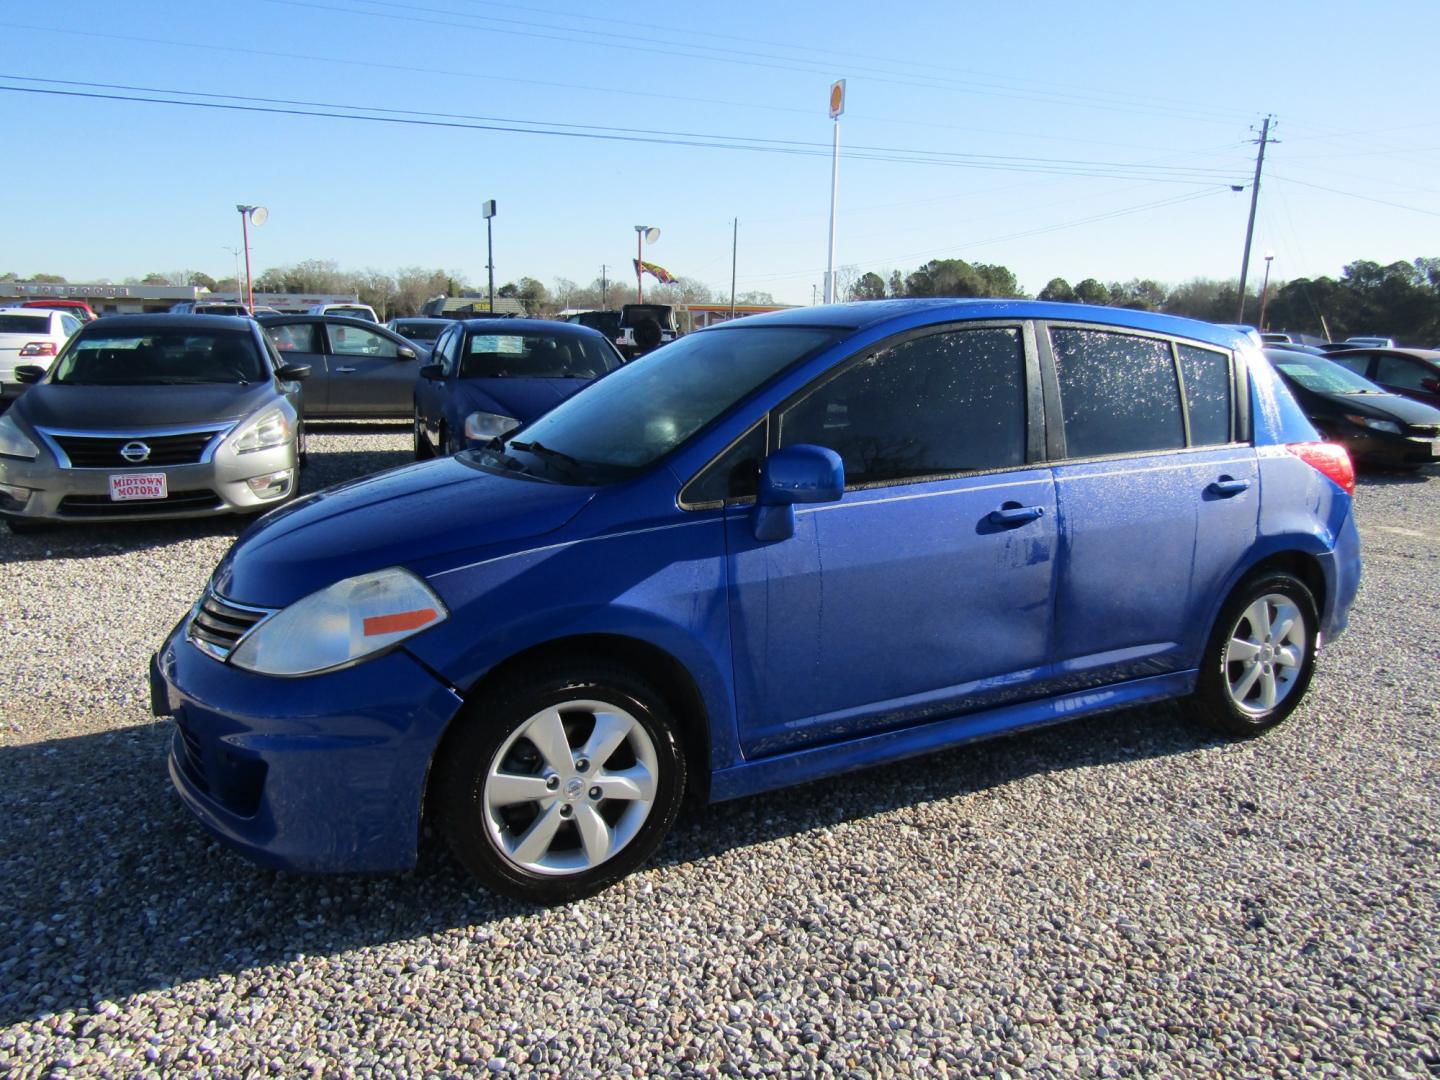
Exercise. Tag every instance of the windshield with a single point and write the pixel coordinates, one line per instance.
(1319, 374)
(160, 358)
(535, 356)
(419, 331)
(634, 417)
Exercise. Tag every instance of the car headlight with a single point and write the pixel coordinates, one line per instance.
(484, 426)
(270, 428)
(339, 625)
(14, 442)
(1373, 423)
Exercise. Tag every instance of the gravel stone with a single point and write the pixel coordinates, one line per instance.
(1127, 895)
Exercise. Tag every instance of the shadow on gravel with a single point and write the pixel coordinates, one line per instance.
(112, 889)
(1371, 477)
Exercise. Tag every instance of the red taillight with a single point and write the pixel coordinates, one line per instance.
(1328, 458)
(38, 348)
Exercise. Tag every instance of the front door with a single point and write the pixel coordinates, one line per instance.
(367, 376)
(927, 590)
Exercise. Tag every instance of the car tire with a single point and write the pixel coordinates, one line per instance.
(521, 801)
(26, 526)
(1260, 656)
(423, 450)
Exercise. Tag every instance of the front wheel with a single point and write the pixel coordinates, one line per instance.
(423, 452)
(1260, 656)
(554, 786)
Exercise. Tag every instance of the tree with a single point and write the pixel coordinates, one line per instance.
(376, 288)
(681, 291)
(869, 286)
(1091, 291)
(199, 280)
(997, 280)
(1146, 295)
(46, 279)
(755, 296)
(1059, 290)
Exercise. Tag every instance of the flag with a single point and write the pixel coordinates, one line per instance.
(659, 273)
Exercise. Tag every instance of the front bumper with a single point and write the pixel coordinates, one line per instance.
(218, 486)
(321, 773)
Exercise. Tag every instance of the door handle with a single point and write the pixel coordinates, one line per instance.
(1227, 486)
(1015, 515)
(345, 370)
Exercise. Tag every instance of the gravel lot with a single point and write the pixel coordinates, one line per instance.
(1127, 895)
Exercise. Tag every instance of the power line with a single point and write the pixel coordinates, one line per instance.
(1356, 195)
(285, 106)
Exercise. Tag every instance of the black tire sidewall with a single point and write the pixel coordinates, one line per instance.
(1212, 691)
(465, 756)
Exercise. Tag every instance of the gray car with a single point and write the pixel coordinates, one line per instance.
(358, 368)
(153, 416)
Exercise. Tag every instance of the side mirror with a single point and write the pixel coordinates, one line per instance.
(405, 352)
(29, 373)
(294, 371)
(796, 474)
(431, 371)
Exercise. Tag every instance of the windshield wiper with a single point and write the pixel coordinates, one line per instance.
(544, 452)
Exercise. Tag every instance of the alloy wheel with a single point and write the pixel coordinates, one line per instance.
(1265, 654)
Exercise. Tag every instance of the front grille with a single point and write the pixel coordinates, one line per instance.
(218, 625)
(99, 506)
(1423, 431)
(190, 759)
(103, 451)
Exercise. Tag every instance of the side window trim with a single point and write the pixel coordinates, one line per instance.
(704, 471)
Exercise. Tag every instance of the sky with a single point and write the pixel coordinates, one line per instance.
(1058, 139)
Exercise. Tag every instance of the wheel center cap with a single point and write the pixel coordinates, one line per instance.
(573, 789)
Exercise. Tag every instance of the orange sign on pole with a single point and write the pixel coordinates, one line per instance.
(837, 99)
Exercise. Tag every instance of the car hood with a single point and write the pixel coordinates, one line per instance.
(121, 408)
(409, 516)
(524, 399)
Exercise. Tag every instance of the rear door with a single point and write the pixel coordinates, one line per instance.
(1409, 377)
(303, 342)
(367, 375)
(1158, 493)
(915, 596)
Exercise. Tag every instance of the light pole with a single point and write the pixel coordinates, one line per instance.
(644, 234)
(1265, 288)
(837, 106)
(236, 252)
(488, 209)
(259, 215)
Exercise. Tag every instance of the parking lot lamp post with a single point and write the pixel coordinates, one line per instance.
(488, 209)
(257, 214)
(1265, 289)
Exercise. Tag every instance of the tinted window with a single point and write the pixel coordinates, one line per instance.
(1319, 374)
(1410, 374)
(24, 324)
(446, 352)
(419, 331)
(352, 341)
(161, 358)
(1118, 393)
(1359, 363)
(535, 356)
(294, 337)
(1207, 393)
(945, 403)
(735, 474)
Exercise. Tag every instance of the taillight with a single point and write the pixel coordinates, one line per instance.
(1328, 458)
(38, 348)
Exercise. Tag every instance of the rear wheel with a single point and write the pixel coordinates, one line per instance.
(1260, 656)
(423, 450)
(557, 785)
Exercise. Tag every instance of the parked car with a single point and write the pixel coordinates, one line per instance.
(780, 549)
(1412, 373)
(150, 416)
(1377, 427)
(1369, 342)
(1277, 339)
(644, 327)
(418, 329)
(208, 307)
(357, 368)
(30, 336)
(77, 309)
(487, 377)
(607, 322)
(354, 311)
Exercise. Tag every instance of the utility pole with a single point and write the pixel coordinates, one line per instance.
(1254, 200)
(734, 247)
(837, 107)
(604, 289)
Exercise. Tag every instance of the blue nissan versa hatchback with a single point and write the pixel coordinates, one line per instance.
(773, 551)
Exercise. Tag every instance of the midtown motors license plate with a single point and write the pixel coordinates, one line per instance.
(127, 486)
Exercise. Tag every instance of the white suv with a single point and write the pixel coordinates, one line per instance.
(30, 336)
(354, 311)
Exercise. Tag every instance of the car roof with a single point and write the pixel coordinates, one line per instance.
(336, 320)
(868, 314)
(529, 326)
(1433, 355)
(423, 319)
(166, 321)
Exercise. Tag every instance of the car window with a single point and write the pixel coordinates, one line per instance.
(1118, 393)
(444, 353)
(353, 341)
(1408, 374)
(69, 324)
(294, 337)
(941, 404)
(1358, 363)
(535, 356)
(1319, 374)
(1207, 394)
(735, 474)
(24, 324)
